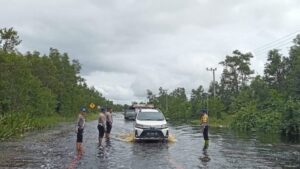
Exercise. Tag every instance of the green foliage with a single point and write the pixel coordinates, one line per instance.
(241, 100)
(9, 39)
(293, 67)
(21, 91)
(16, 124)
(216, 107)
(246, 118)
(260, 89)
(275, 70)
(236, 74)
(268, 103)
(39, 90)
(264, 112)
(269, 122)
(13, 123)
(179, 107)
(291, 118)
(198, 100)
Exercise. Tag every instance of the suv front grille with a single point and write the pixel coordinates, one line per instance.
(151, 134)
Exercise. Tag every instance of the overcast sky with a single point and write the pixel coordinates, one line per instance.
(129, 46)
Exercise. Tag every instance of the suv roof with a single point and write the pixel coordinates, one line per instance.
(143, 106)
(149, 110)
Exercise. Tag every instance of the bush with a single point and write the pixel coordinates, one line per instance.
(246, 118)
(291, 118)
(269, 122)
(13, 124)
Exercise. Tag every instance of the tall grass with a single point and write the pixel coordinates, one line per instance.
(16, 124)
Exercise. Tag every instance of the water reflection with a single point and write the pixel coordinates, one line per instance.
(104, 149)
(291, 139)
(145, 153)
(205, 157)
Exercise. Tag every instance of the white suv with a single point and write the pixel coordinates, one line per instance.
(150, 124)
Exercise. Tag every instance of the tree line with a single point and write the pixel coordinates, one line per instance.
(34, 87)
(268, 102)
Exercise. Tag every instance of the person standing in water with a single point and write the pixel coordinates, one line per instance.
(79, 131)
(101, 125)
(109, 122)
(204, 125)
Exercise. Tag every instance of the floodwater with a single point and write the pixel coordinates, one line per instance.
(186, 149)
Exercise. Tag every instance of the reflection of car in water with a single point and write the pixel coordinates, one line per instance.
(129, 114)
(150, 124)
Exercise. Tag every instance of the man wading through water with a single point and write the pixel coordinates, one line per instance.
(101, 125)
(79, 131)
(109, 122)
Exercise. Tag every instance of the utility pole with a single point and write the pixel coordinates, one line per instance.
(207, 102)
(166, 94)
(206, 99)
(214, 85)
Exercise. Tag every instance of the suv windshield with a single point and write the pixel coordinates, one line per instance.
(151, 116)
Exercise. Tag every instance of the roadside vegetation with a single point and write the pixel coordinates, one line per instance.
(39, 91)
(244, 101)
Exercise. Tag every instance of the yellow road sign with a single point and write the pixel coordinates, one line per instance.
(92, 105)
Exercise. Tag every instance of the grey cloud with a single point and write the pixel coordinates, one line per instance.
(137, 45)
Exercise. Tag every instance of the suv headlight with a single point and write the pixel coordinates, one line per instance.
(164, 126)
(139, 126)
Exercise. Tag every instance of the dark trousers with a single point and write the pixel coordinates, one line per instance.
(108, 127)
(101, 130)
(79, 136)
(205, 133)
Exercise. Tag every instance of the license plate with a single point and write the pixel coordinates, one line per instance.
(152, 134)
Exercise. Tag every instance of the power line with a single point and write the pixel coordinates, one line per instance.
(276, 44)
(277, 41)
(274, 47)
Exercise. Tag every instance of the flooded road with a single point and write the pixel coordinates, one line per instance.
(55, 148)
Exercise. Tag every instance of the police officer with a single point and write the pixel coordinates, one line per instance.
(204, 124)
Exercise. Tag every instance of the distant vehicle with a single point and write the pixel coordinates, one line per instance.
(130, 114)
(150, 124)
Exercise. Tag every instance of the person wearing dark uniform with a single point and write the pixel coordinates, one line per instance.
(204, 124)
(109, 122)
(101, 125)
(79, 131)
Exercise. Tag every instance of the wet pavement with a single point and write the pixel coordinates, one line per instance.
(186, 149)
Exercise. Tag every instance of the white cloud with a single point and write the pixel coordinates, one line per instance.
(112, 85)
